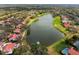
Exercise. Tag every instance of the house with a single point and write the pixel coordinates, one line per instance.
(13, 37)
(1, 22)
(2, 35)
(9, 47)
(1, 38)
(19, 26)
(76, 44)
(65, 21)
(1, 31)
(8, 20)
(77, 20)
(66, 24)
(76, 28)
(18, 21)
(23, 23)
(72, 51)
(72, 28)
(65, 17)
(1, 45)
(65, 51)
(17, 30)
(7, 23)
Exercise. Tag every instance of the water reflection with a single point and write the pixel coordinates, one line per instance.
(44, 32)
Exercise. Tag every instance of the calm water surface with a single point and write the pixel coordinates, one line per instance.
(44, 32)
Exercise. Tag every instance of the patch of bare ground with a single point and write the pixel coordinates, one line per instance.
(51, 51)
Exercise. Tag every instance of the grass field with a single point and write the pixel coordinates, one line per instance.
(57, 23)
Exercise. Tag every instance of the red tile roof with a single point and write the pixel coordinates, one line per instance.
(17, 30)
(14, 36)
(66, 24)
(9, 47)
(72, 51)
(65, 16)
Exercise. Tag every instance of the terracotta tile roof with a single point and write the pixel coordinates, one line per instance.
(72, 51)
(17, 30)
(9, 47)
(66, 24)
(13, 37)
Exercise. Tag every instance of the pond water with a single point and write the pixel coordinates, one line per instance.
(43, 31)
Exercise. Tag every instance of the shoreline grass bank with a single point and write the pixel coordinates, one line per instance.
(59, 45)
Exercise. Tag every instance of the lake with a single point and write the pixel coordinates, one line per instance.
(43, 31)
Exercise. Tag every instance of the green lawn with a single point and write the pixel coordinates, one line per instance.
(57, 20)
(57, 23)
(59, 45)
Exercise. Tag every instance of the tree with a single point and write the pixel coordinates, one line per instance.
(38, 49)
